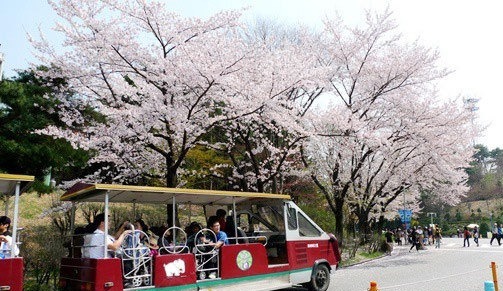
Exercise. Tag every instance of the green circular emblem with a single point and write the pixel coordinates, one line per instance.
(244, 260)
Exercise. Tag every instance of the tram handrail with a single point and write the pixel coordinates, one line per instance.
(257, 238)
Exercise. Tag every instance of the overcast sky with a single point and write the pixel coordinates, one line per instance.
(467, 33)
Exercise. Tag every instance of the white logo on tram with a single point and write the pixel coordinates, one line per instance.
(174, 268)
(312, 245)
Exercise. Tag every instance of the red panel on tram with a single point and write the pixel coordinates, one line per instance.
(11, 273)
(243, 260)
(91, 274)
(174, 270)
(303, 253)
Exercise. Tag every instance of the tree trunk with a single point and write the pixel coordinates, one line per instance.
(171, 182)
(339, 219)
(169, 213)
(380, 224)
(171, 177)
(363, 225)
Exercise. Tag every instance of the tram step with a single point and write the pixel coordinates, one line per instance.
(256, 285)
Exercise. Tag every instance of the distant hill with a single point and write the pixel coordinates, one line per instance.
(480, 209)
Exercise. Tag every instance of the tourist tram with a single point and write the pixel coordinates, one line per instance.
(11, 265)
(274, 245)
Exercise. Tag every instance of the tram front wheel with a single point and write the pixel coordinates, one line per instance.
(320, 280)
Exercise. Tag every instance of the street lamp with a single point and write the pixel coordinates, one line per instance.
(431, 214)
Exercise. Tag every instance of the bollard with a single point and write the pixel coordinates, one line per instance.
(488, 286)
(495, 276)
(373, 286)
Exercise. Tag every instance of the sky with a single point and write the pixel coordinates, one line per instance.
(468, 35)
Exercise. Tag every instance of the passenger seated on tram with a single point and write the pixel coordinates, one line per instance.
(221, 218)
(93, 244)
(77, 242)
(135, 243)
(139, 224)
(221, 236)
(220, 239)
(7, 247)
(231, 231)
(191, 231)
(153, 243)
(134, 252)
(166, 238)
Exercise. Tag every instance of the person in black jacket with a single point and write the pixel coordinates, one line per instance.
(414, 238)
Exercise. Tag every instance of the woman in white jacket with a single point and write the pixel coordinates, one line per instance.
(7, 248)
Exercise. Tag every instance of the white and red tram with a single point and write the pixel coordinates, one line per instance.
(274, 245)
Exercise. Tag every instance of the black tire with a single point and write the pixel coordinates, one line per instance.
(320, 280)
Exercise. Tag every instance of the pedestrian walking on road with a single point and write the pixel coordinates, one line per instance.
(414, 240)
(431, 236)
(438, 236)
(466, 237)
(420, 237)
(389, 236)
(476, 235)
(494, 232)
(398, 236)
(500, 234)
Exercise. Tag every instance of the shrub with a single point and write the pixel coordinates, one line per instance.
(484, 228)
(42, 250)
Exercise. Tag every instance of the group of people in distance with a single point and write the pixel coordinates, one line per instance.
(419, 237)
(7, 248)
(496, 234)
(467, 234)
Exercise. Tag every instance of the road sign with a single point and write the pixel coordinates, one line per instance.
(405, 215)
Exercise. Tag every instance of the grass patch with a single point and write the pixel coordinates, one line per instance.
(360, 256)
(371, 255)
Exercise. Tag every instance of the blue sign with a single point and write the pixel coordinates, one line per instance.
(405, 215)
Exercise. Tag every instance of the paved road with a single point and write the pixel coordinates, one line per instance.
(452, 267)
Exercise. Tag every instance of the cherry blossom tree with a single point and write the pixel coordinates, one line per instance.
(263, 147)
(161, 80)
(427, 152)
(386, 131)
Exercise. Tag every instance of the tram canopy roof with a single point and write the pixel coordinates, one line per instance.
(8, 183)
(145, 194)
